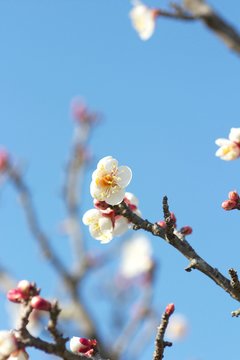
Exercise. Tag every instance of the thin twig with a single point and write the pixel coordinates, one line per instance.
(160, 344)
(196, 262)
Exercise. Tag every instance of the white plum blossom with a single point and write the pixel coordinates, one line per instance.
(18, 355)
(136, 257)
(229, 148)
(109, 181)
(143, 20)
(100, 226)
(7, 343)
(177, 327)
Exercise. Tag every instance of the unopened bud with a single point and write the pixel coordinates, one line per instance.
(229, 204)
(40, 303)
(233, 195)
(170, 308)
(83, 346)
(186, 230)
(4, 160)
(173, 218)
(16, 295)
(162, 224)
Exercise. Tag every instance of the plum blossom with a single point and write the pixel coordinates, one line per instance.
(177, 327)
(229, 148)
(7, 343)
(100, 226)
(83, 346)
(18, 355)
(136, 257)
(143, 19)
(109, 181)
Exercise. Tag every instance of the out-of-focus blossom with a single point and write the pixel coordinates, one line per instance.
(177, 327)
(229, 148)
(83, 346)
(81, 113)
(109, 181)
(143, 19)
(4, 160)
(39, 303)
(19, 355)
(8, 343)
(136, 257)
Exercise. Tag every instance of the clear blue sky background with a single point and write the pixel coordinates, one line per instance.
(164, 102)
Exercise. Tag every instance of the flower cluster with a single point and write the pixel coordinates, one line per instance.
(143, 19)
(229, 148)
(103, 222)
(233, 201)
(27, 292)
(83, 346)
(9, 348)
(185, 230)
(107, 188)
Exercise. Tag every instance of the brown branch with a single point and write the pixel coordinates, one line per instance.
(225, 31)
(196, 262)
(160, 344)
(52, 325)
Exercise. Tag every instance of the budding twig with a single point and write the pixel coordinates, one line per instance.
(160, 344)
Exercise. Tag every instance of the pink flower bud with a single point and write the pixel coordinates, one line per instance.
(162, 224)
(40, 303)
(83, 346)
(16, 296)
(186, 230)
(4, 160)
(173, 218)
(170, 308)
(233, 195)
(229, 204)
(81, 113)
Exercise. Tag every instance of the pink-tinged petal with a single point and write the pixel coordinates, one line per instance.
(124, 176)
(222, 142)
(132, 198)
(116, 197)
(18, 355)
(121, 225)
(235, 135)
(105, 224)
(91, 216)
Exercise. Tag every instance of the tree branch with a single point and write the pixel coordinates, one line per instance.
(196, 262)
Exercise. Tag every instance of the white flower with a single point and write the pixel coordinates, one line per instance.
(177, 327)
(143, 20)
(100, 227)
(136, 257)
(109, 181)
(7, 343)
(19, 355)
(229, 148)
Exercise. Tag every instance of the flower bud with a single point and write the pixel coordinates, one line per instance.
(40, 303)
(229, 204)
(173, 218)
(83, 346)
(4, 160)
(186, 230)
(162, 224)
(233, 195)
(15, 295)
(170, 308)
(101, 205)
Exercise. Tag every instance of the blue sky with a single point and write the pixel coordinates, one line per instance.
(164, 102)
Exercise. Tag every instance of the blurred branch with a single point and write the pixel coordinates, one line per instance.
(196, 262)
(200, 10)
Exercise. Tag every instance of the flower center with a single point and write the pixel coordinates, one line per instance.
(106, 180)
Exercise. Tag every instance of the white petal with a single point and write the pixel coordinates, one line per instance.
(105, 224)
(222, 142)
(91, 216)
(121, 225)
(96, 192)
(7, 343)
(103, 161)
(124, 176)
(116, 197)
(98, 234)
(107, 164)
(75, 344)
(235, 135)
(132, 198)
